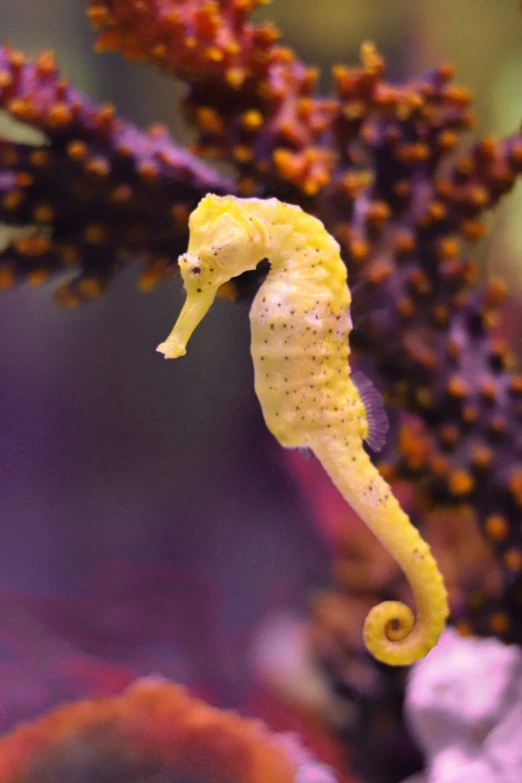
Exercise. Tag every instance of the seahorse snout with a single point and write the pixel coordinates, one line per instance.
(196, 306)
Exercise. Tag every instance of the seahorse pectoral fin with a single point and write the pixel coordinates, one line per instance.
(378, 424)
(196, 306)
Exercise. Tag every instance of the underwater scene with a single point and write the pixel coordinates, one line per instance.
(261, 384)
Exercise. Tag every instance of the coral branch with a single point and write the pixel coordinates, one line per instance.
(100, 193)
(251, 100)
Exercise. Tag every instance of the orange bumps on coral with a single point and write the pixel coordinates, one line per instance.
(470, 414)
(252, 119)
(516, 153)
(449, 435)
(404, 242)
(482, 458)
(153, 730)
(515, 485)
(97, 166)
(496, 527)
(154, 274)
(90, 287)
(359, 249)
(97, 15)
(59, 115)
(242, 153)
(496, 292)
(235, 77)
(460, 483)
(439, 465)
(440, 315)
(378, 271)
(6, 80)
(310, 170)
(499, 623)
(7, 276)
(424, 397)
(77, 150)
(23, 179)
(453, 349)
(12, 200)
(416, 152)
(458, 387)
(516, 384)
(488, 389)
(447, 140)
(15, 58)
(406, 307)
(21, 109)
(447, 248)
(473, 230)
(45, 64)
(32, 246)
(513, 560)
(378, 213)
(43, 213)
(419, 281)
(96, 233)
(38, 277)
(497, 425)
(415, 446)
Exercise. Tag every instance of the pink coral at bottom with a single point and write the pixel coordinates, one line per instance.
(464, 704)
(154, 732)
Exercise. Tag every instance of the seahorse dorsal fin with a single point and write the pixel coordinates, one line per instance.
(378, 423)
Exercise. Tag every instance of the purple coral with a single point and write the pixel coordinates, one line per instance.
(98, 195)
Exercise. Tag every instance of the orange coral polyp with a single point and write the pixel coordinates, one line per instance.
(153, 728)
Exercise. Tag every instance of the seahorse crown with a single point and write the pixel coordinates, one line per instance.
(225, 238)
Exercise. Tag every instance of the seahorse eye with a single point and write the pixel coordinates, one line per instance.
(190, 265)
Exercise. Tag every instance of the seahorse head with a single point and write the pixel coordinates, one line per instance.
(225, 240)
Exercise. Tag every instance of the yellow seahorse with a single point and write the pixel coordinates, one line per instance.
(300, 324)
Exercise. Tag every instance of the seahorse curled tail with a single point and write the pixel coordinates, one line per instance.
(391, 632)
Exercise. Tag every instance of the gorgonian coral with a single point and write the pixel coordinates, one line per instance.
(376, 162)
(153, 731)
(100, 193)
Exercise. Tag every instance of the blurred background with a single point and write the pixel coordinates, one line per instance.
(148, 521)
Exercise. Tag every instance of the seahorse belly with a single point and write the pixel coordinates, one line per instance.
(300, 353)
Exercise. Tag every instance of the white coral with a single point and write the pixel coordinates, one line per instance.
(464, 705)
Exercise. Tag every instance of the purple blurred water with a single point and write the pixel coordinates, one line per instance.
(144, 519)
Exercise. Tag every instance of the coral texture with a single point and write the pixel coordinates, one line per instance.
(99, 194)
(153, 731)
